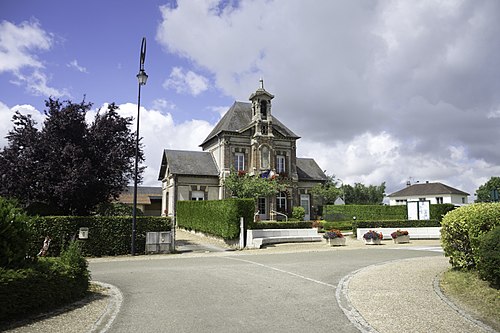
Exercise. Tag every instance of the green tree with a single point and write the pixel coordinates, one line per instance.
(484, 191)
(246, 186)
(360, 194)
(69, 167)
(327, 192)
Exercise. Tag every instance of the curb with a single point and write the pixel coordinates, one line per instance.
(104, 322)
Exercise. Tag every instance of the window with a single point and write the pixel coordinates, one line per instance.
(280, 163)
(264, 157)
(422, 199)
(239, 161)
(439, 200)
(263, 109)
(281, 202)
(197, 195)
(262, 205)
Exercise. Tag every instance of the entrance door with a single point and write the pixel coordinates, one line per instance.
(305, 203)
(262, 206)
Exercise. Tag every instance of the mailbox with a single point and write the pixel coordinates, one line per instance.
(84, 233)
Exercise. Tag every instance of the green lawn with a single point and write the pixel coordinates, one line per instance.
(474, 295)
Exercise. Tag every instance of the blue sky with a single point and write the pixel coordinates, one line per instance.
(379, 91)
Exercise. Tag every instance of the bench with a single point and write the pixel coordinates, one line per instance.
(258, 237)
(415, 233)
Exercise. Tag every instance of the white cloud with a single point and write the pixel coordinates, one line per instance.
(74, 64)
(163, 104)
(6, 114)
(186, 82)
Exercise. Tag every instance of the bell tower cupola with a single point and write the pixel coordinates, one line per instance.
(261, 111)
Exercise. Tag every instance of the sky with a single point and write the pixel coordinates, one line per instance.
(378, 91)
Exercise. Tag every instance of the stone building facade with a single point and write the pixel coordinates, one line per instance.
(248, 139)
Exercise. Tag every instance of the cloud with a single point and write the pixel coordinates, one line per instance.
(74, 64)
(351, 75)
(19, 45)
(186, 82)
(6, 114)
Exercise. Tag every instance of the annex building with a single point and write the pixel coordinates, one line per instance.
(248, 139)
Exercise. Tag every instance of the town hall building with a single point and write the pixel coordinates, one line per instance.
(249, 140)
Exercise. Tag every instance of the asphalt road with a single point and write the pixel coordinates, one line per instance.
(237, 292)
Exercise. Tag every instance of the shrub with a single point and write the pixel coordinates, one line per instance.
(462, 229)
(340, 225)
(15, 234)
(219, 218)
(298, 213)
(488, 255)
(280, 225)
(394, 224)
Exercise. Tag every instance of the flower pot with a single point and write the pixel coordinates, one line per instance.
(337, 241)
(372, 241)
(402, 239)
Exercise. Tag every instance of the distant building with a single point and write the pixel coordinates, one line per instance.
(436, 193)
(249, 140)
(148, 199)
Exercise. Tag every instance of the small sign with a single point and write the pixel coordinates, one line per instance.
(84, 233)
(418, 210)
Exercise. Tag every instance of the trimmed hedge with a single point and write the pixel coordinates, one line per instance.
(219, 218)
(340, 225)
(394, 224)
(488, 254)
(378, 212)
(14, 234)
(108, 235)
(280, 225)
(43, 285)
(462, 230)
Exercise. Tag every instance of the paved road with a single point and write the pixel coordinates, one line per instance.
(239, 292)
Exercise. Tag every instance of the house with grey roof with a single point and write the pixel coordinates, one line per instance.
(148, 199)
(248, 139)
(436, 193)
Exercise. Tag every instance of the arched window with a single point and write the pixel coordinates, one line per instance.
(264, 157)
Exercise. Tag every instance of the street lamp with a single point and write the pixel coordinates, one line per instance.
(142, 77)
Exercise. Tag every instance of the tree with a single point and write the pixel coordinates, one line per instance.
(69, 167)
(327, 192)
(484, 192)
(364, 195)
(242, 185)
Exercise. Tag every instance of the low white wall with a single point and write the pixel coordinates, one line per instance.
(415, 233)
(269, 233)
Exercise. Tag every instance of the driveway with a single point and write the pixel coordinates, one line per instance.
(238, 291)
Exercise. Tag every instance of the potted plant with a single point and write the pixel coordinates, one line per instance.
(373, 237)
(334, 237)
(400, 236)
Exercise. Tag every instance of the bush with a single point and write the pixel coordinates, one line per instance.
(15, 234)
(219, 218)
(462, 229)
(108, 235)
(43, 285)
(340, 225)
(488, 255)
(394, 224)
(298, 213)
(280, 225)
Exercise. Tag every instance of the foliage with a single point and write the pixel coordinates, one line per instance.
(333, 233)
(43, 285)
(378, 212)
(484, 191)
(280, 225)
(462, 229)
(243, 185)
(399, 233)
(14, 234)
(327, 192)
(116, 209)
(360, 194)
(215, 217)
(488, 254)
(77, 165)
(341, 225)
(394, 224)
(108, 235)
(298, 213)
(373, 235)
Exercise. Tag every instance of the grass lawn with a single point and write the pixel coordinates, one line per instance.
(474, 295)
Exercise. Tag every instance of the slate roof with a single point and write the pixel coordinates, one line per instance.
(427, 189)
(188, 163)
(239, 117)
(144, 195)
(308, 169)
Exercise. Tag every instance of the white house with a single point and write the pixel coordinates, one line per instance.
(436, 193)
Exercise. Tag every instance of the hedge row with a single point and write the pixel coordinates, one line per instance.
(108, 235)
(43, 285)
(378, 212)
(219, 218)
(394, 224)
(280, 225)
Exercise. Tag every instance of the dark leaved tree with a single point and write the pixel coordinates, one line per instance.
(69, 167)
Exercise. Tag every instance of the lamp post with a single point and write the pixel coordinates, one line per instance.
(142, 77)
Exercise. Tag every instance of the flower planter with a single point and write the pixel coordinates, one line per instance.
(337, 241)
(372, 241)
(402, 239)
